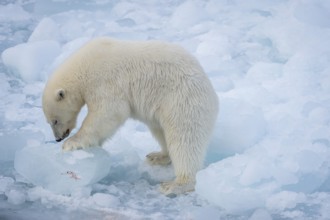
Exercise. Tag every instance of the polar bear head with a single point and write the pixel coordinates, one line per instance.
(61, 110)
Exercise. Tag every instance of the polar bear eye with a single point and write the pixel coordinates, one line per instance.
(54, 122)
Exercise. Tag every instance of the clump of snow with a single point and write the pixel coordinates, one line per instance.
(62, 172)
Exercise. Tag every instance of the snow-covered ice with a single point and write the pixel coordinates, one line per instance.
(269, 157)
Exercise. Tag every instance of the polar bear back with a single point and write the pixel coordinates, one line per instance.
(156, 78)
(159, 76)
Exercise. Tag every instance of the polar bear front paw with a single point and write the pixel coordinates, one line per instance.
(158, 158)
(72, 144)
(174, 188)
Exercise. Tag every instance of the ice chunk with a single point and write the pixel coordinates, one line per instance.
(62, 172)
(239, 126)
(15, 197)
(220, 184)
(67, 50)
(72, 29)
(250, 180)
(28, 60)
(47, 29)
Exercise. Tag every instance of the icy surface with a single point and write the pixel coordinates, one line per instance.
(62, 172)
(269, 62)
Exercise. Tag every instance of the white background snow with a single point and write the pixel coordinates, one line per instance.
(269, 61)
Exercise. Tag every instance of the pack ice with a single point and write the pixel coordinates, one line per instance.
(62, 172)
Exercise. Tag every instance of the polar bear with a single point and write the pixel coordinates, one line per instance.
(158, 83)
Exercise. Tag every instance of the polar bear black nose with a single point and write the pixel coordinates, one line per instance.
(59, 139)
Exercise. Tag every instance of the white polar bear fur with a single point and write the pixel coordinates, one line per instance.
(157, 83)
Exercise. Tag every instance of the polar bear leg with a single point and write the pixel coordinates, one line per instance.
(159, 158)
(186, 164)
(96, 128)
(91, 133)
(187, 154)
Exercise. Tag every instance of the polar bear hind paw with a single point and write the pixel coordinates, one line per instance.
(158, 158)
(172, 189)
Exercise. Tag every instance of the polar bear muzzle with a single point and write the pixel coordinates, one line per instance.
(65, 134)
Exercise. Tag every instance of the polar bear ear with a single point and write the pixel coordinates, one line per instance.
(60, 94)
